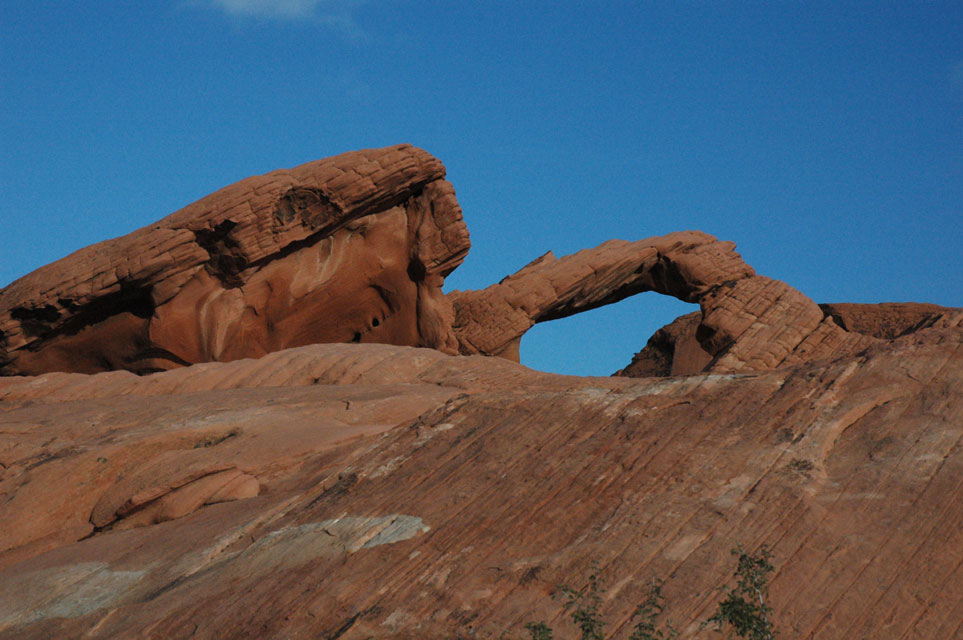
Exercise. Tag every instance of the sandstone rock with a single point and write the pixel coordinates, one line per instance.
(404, 493)
(673, 350)
(886, 320)
(352, 248)
(382, 491)
(748, 322)
(685, 265)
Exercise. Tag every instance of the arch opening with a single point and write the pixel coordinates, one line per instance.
(601, 341)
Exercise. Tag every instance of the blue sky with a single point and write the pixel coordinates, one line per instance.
(824, 138)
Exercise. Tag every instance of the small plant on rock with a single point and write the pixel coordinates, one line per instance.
(744, 608)
(539, 631)
(650, 609)
(585, 604)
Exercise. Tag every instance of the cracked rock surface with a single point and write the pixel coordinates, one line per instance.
(392, 492)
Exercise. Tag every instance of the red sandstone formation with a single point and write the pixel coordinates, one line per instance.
(684, 264)
(355, 249)
(748, 321)
(352, 248)
(375, 491)
(675, 349)
(887, 320)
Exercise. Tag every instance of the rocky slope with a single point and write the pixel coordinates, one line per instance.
(358, 491)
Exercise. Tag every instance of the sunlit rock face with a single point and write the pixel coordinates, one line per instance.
(356, 248)
(384, 491)
(353, 248)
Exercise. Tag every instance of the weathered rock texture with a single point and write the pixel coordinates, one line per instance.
(356, 248)
(359, 491)
(748, 321)
(675, 349)
(375, 491)
(353, 248)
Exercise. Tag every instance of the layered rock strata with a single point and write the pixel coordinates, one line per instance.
(748, 321)
(675, 349)
(373, 491)
(354, 248)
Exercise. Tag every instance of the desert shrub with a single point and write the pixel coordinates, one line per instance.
(745, 608)
(647, 612)
(539, 631)
(585, 604)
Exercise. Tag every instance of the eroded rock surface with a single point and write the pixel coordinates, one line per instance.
(377, 491)
(354, 248)
(675, 349)
(747, 322)
(392, 492)
(685, 265)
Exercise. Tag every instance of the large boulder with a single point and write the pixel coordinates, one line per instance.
(354, 248)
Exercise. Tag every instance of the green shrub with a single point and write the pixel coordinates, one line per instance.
(745, 608)
(585, 604)
(539, 630)
(650, 609)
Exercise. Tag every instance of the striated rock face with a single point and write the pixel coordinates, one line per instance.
(748, 322)
(675, 349)
(374, 491)
(354, 248)
(887, 320)
(361, 491)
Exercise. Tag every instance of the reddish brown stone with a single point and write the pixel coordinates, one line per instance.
(748, 322)
(887, 320)
(377, 491)
(404, 493)
(671, 351)
(675, 350)
(352, 248)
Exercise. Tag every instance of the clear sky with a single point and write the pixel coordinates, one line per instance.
(824, 138)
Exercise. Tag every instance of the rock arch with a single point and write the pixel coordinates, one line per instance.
(747, 321)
